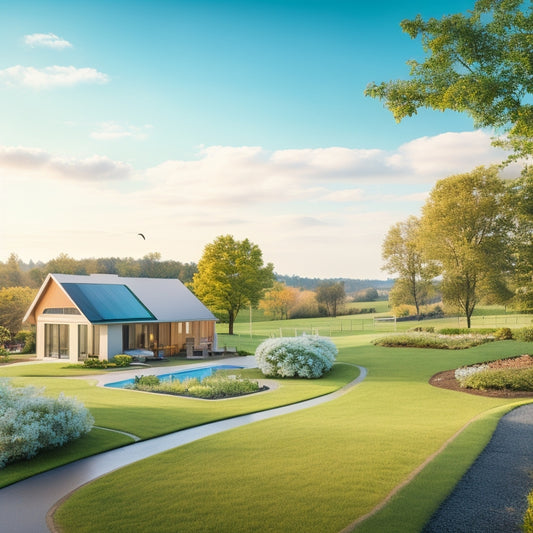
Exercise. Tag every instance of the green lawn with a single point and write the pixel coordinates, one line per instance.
(143, 414)
(316, 470)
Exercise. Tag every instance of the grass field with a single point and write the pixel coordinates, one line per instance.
(317, 470)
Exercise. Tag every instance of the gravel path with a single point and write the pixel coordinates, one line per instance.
(492, 496)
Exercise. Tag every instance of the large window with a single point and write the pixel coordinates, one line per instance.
(56, 341)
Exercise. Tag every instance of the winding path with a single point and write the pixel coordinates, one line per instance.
(492, 496)
(25, 507)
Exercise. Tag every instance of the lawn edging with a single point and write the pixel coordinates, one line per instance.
(443, 469)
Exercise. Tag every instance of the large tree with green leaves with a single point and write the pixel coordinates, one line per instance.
(479, 63)
(231, 275)
(403, 256)
(464, 229)
(520, 201)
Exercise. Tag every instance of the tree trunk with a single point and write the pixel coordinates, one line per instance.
(231, 320)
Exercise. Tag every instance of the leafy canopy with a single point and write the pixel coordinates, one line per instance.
(480, 63)
(231, 275)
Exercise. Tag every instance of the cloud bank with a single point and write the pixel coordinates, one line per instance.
(320, 212)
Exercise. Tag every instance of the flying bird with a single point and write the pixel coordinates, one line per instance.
(142, 235)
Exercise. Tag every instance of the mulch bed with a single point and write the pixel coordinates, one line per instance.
(446, 379)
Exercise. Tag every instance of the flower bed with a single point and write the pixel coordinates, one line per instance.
(511, 377)
(415, 339)
(212, 387)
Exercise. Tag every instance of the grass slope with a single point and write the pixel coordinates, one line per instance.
(316, 470)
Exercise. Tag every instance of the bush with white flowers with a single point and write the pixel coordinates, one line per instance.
(305, 357)
(30, 421)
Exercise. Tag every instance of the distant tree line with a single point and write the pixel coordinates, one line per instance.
(351, 286)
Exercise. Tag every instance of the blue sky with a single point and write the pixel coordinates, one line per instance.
(186, 120)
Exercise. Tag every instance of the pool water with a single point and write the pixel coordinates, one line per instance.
(198, 373)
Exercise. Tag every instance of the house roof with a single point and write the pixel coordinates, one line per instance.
(108, 298)
(101, 302)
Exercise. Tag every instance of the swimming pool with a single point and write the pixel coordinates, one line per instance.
(182, 375)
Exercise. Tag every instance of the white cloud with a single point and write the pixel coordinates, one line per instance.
(48, 77)
(14, 160)
(48, 40)
(445, 154)
(111, 131)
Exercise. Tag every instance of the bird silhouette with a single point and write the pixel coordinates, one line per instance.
(142, 235)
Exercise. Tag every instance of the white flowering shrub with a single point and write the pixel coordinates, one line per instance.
(305, 357)
(30, 421)
(466, 371)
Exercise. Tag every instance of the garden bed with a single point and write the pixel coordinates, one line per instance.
(447, 380)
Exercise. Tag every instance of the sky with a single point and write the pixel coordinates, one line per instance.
(189, 119)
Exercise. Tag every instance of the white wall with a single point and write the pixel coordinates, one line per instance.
(114, 340)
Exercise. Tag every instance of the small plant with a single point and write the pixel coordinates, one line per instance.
(305, 357)
(146, 381)
(503, 334)
(122, 360)
(524, 335)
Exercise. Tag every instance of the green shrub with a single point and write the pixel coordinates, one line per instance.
(503, 334)
(428, 329)
(4, 358)
(432, 340)
(93, 362)
(122, 360)
(4, 353)
(27, 338)
(515, 379)
(528, 517)
(524, 334)
(146, 381)
(466, 331)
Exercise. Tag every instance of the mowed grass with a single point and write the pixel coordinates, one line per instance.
(147, 415)
(316, 470)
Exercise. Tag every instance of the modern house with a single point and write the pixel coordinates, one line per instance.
(103, 315)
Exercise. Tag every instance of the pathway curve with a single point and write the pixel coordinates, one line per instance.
(492, 496)
(24, 505)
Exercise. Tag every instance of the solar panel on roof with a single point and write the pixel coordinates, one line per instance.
(103, 302)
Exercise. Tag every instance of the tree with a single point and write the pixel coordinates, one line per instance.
(520, 201)
(331, 296)
(14, 302)
(10, 273)
(403, 256)
(231, 275)
(279, 300)
(464, 229)
(479, 63)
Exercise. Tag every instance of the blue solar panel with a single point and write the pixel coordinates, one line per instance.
(101, 302)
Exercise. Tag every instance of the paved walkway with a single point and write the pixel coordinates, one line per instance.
(492, 496)
(24, 505)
